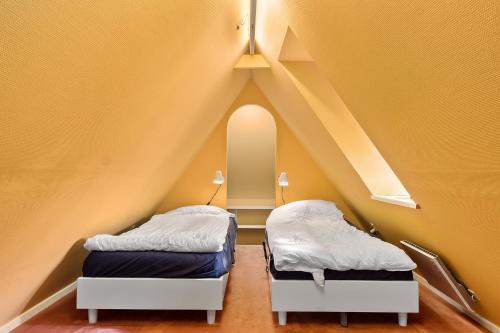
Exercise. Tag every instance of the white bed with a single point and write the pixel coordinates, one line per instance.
(310, 236)
(162, 233)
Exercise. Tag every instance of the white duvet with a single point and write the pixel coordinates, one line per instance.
(186, 229)
(311, 236)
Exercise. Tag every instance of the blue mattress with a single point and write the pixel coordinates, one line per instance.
(162, 264)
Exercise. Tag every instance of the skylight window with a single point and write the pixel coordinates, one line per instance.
(330, 109)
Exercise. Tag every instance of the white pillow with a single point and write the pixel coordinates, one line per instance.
(311, 209)
(323, 208)
(199, 210)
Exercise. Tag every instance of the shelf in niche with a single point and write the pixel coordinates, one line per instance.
(251, 226)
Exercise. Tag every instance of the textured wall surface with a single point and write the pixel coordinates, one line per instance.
(423, 81)
(102, 105)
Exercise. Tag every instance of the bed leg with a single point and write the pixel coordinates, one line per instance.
(211, 316)
(403, 318)
(282, 318)
(343, 319)
(92, 316)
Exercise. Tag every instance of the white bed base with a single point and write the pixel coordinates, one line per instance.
(344, 296)
(151, 294)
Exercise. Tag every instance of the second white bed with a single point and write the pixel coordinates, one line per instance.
(311, 236)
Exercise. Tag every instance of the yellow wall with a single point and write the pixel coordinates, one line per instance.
(425, 90)
(307, 181)
(194, 186)
(102, 105)
(102, 108)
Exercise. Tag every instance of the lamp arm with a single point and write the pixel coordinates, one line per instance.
(282, 191)
(213, 195)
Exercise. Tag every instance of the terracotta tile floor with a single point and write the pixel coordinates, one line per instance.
(247, 308)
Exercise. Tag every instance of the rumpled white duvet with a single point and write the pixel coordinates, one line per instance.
(311, 236)
(186, 229)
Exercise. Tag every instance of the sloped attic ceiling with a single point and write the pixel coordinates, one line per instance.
(103, 107)
(426, 91)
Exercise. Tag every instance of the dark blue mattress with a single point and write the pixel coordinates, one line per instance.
(162, 264)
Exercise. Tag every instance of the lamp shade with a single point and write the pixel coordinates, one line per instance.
(283, 179)
(218, 178)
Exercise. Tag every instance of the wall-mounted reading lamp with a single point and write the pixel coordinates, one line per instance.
(283, 182)
(218, 180)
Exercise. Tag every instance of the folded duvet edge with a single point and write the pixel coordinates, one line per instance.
(175, 233)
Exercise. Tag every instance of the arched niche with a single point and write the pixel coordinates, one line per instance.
(251, 157)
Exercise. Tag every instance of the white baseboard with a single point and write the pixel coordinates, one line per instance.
(475, 316)
(30, 313)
